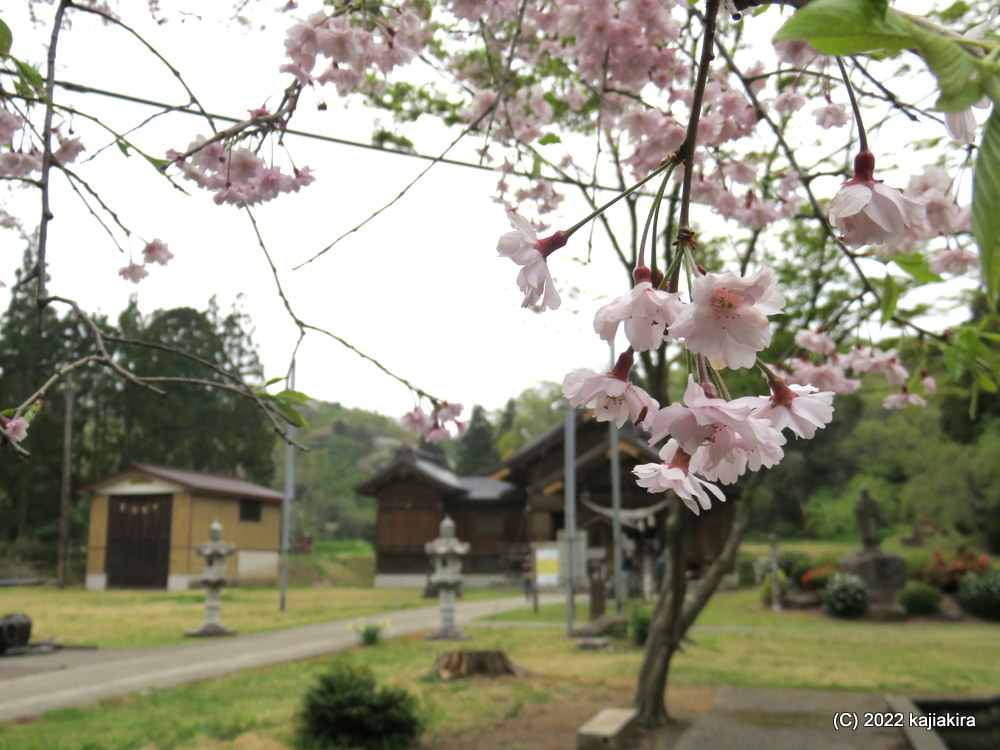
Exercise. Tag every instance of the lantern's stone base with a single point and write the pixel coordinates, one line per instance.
(447, 634)
(209, 630)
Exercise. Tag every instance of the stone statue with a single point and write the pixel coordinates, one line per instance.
(868, 518)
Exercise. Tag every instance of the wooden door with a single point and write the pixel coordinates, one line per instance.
(138, 551)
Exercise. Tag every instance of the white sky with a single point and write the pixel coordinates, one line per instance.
(420, 288)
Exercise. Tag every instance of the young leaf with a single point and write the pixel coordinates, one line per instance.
(890, 296)
(916, 266)
(847, 27)
(986, 207)
(28, 74)
(548, 138)
(6, 39)
(957, 72)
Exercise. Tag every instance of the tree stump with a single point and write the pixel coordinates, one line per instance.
(455, 664)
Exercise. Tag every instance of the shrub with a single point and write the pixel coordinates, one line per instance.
(796, 565)
(765, 587)
(979, 594)
(816, 579)
(638, 618)
(343, 709)
(947, 570)
(919, 598)
(846, 595)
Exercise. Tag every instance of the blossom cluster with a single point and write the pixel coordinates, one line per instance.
(433, 427)
(154, 252)
(236, 174)
(353, 49)
(24, 162)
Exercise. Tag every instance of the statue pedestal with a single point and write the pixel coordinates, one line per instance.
(884, 575)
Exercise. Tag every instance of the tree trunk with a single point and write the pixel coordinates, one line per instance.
(672, 618)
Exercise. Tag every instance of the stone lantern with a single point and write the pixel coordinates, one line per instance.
(215, 551)
(445, 553)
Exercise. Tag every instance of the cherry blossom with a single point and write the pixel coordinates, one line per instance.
(15, 429)
(611, 396)
(867, 212)
(524, 248)
(432, 427)
(815, 341)
(903, 399)
(156, 252)
(829, 376)
(831, 116)
(646, 312)
(727, 317)
(801, 408)
(675, 474)
(133, 272)
(928, 382)
(956, 260)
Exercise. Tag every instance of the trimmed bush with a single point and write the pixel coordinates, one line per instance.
(343, 709)
(979, 594)
(798, 564)
(846, 595)
(765, 587)
(919, 598)
(638, 618)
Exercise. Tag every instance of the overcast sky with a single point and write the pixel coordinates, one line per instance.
(420, 288)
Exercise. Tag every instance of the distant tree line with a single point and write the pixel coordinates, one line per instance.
(114, 422)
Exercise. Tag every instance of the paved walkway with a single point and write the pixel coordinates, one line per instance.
(773, 719)
(31, 685)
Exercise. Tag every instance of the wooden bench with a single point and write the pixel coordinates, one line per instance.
(610, 729)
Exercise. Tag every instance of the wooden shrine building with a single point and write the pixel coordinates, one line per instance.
(522, 502)
(146, 523)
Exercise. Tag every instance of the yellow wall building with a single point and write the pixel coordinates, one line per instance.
(147, 522)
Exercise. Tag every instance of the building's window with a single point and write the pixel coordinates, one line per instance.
(250, 510)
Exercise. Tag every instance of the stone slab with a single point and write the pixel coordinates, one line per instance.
(610, 729)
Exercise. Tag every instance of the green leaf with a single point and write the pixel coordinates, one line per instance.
(123, 147)
(28, 74)
(986, 207)
(958, 73)
(292, 414)
(548, 138)
(536, 168)
(890, 296)
(6, 39)
(916, 266)
(987, 383)
(294, 397)
(847, 27)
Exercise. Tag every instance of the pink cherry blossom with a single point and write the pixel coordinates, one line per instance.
(133, 272)
(710, 423)
(675, 474)
(15, 430)
(801, 408)
(815, 341)
(829, 376)
(727, 317)
(955, 260)
(928, 382)
(867, 212)
(831, 116)
(611, 396)
(416, 421)
(903, 399)
(156, 252)
(646, 312)
(524, 248)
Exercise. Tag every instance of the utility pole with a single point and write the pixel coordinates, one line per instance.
(286, 505)
(569, 515)
(65, 484)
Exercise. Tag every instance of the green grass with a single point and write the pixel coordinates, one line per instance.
(738, 643)
(108, 619)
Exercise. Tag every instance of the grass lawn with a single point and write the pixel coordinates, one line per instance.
(138, 619)
(737, 643)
